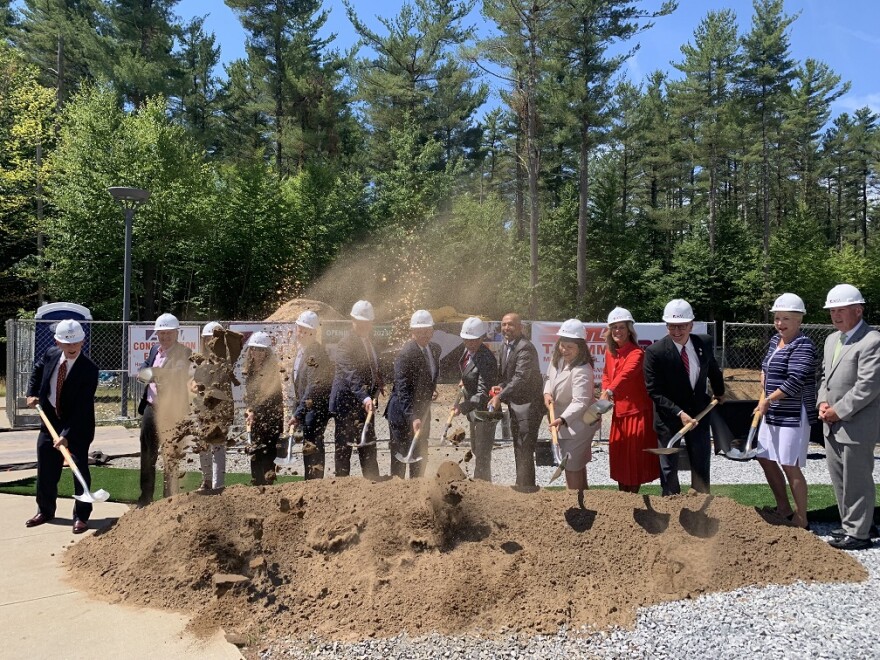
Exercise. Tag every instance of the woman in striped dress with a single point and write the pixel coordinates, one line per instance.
(788, 377)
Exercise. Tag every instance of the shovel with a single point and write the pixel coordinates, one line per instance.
(750, 450)
(598, 408)
(363, 443)
(557, 452)
(286, 462)
(412, 445)
(99, 495)
(461, 393)
(669, 449)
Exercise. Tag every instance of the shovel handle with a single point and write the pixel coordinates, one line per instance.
(554, 433)
(64, 450)
(756, 418)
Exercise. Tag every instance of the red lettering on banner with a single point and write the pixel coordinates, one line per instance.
(595, 334)
(548, 348)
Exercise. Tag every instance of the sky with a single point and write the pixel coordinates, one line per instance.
(845, 34)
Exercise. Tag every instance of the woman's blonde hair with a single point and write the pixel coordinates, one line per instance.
(612, 345)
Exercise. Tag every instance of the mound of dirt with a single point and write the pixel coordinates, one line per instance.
(290, 311)
(349, 559)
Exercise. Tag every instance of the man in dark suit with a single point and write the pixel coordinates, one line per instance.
(356, 384)
(676, 370)
(63, 382)
(165, 401)
(479, 373)
(415, 385)
(522, 389)
(312, 378)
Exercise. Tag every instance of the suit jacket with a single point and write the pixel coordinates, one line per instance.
(77, 422)
(177, 358)
(625, 376)
(353, 380)
(573, 392)
(522, 384)
(852, 386)
(414, 384)
(669, 385)
(312, 382)
(479, 376)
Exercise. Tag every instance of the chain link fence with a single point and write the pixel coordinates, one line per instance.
(743, 348)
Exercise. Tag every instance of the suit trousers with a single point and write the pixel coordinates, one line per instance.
(482, 440)
(212, 461)
(851, 467)
(699, 451)
(149, 454)
(49, 464)
(348, 429)
(313, 429)
(401, 439)
(524, 422)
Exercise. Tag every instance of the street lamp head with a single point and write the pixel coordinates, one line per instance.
(129, 197)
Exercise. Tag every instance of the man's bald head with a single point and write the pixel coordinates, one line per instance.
(511, 326)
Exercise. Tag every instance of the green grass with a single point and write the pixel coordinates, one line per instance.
(123, 485)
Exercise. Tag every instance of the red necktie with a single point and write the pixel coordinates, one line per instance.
(59, 383)
(686, 361)
(464, 360)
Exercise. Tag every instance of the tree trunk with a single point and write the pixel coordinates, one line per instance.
(583, 213)
(519, 191)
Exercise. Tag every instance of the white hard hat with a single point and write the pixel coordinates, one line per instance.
(308, 319)
(843, 295)
(259, 340)
(619, 314)
(362, 310)
(208, 330)
(167, 322)
(789, 302)
(678, 311)
(472, 328)
(421, 319)
(572, 329)
(69, 331)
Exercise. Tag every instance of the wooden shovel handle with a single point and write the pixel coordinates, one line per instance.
(554, 433)
(64, 450)
(756, 418)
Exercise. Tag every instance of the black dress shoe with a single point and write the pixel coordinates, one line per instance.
(79, 527)
(839, 533)
(850, 543)
(38, 519)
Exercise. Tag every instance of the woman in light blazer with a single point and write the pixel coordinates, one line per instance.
(569, 388)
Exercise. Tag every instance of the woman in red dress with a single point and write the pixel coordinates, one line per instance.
(632, 423)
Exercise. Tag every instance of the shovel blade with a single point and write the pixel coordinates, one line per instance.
(360, 445)
(406, 459)
(99, 495)
(663, 451)
(561, 467)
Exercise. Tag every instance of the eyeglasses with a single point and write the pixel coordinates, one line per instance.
(678, 327)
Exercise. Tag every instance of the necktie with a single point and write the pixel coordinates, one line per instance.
(428, 360)
(59, 383)
(464, 360)
(686, 361)
(840, 342)
(371, 356)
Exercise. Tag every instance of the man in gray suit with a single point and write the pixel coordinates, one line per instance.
(849, 405)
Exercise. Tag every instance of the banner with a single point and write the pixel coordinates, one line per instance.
(544, 338)
(141, 338)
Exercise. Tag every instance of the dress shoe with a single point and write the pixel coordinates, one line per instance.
(79, 527)
(839, 533)
(38, 519)
(850, 543)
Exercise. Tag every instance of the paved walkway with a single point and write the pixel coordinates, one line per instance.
(42, 616)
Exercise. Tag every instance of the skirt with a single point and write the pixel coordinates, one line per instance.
(577, 449)
(630, 435)
(787, 445)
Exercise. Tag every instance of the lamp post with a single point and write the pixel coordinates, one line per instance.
(130, 199)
